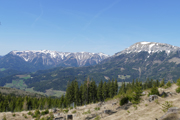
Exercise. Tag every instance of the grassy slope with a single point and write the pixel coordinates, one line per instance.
(147, 110)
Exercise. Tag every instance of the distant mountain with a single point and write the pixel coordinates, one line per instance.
(150, 47)
(142, 60)
(45, 59)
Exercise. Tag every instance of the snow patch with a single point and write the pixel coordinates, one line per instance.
(144, 43)
(150, 46)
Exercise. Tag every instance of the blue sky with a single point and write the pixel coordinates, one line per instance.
(107, 26)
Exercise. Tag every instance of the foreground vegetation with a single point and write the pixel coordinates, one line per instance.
(88, 92)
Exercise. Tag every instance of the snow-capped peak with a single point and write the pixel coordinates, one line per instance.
(57, 57)
(150, 47)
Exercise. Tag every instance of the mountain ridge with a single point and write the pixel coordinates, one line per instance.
(44, 59)
(150, 47)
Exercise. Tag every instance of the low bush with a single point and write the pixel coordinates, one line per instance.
(97, 108)
(178, 90)
(124, 100)
(135, 107)
(154, 91)
(166, 106)
(88, 112)
(97, 117)
(168, 84)
(25, 116)
(66, 110)
(74, 111)
(29, 113)
(156, 101)
(45, 118)
(37, 112)
(178, 82)
(51, 116)
(45, 112)
(4, 117)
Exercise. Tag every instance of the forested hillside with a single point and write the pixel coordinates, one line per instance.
(124, 67)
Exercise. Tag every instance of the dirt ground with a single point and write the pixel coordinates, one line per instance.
(144, 111)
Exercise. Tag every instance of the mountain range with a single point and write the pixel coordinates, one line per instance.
(142, 60)
(31, 61)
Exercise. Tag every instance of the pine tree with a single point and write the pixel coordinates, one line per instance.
(88, 84)
(116, 87)
(94, 91)
(108, 88)
(162, 83)
(84, 93)
(81, 94)
(133, 84)
(138, 93)
(67, 96)
(104, 91)
(157, 83)
(99, 92)
(122, 89)
(112, 88)
(76, 92)
(46, 105)
(25, 106)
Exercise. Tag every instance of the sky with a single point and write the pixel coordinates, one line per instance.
(107, 26)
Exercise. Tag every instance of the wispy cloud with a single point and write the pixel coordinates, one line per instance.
(99, 13)
(42, 11)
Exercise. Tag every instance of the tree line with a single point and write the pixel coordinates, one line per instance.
(90, 92)
(81, 94)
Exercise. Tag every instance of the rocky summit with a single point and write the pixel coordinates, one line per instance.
(150, 47)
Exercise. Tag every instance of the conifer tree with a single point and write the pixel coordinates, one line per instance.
(162, 83)
(25, 106)
(116, 87)
(108, 88)
(99, 91)
(104, 91)
(76, 92)
(138, 92)
(112, 88)
(157, 83)
(81, 94)
(94, 91)
(67, 96)
(84, 93)
(133, 84)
